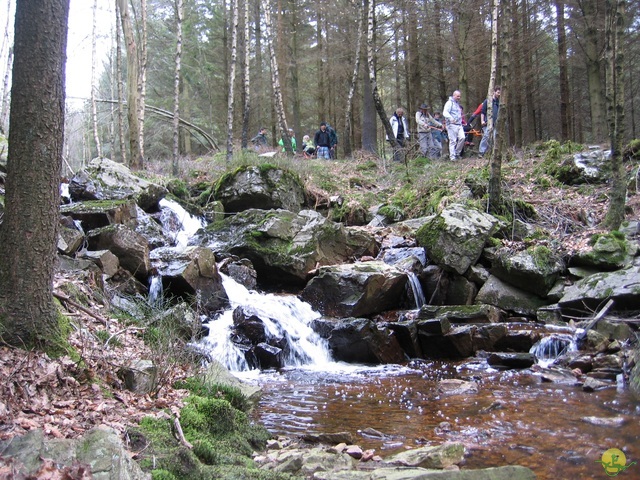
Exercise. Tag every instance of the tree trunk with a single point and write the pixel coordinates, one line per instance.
(232, 77)
(120, 92)
(564, 76)
(440, 72)
(369, 130)
(94, 87)
(295, 74)
(377, 101)
(592, 48)
(615, 108)
(28, 233)
(133, 96)
(142, 85)
(501, 139)
(179, 11)
(4, 110)
(275, 77)
(352, 88)
(246, 84)
(321, 100)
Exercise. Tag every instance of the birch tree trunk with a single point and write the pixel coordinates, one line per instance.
(352, 89)
(179, 11)
(133, 95)
(6, 90)
(615, 26)
(142, 87)
(232, 78)
(374, 83)
(246, 90)
(282, 120)
(120, 91)
(94, 87)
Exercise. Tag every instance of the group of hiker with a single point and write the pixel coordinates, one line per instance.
(324, 143)
(433, 130)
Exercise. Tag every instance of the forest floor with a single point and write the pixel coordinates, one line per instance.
(68, 396)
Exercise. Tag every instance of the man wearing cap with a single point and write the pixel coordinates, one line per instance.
(425, 123)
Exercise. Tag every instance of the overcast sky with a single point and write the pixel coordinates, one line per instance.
(78, 72)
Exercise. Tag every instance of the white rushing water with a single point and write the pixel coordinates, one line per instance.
(284, 316)
(188, 227)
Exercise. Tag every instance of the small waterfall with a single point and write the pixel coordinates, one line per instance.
(187, 224)
(283, 316)
(155, 289)
(416, 288)
(547, 349)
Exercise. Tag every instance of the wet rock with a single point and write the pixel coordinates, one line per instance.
(410, 473)
(518, 340)
(454, 239)
(355, 290)
(622, 286)
(592, 384)
(534, 270)
(440, 456)
(605, 421)
(468, 314)
(486, 337)
(268, 356)
(511, 360)
(461, 340)
(509, 298)
(437, 326)
(354, 451)
(329, 438)
(362, 341)
(558, 375)
(456, 387)
(407, 335)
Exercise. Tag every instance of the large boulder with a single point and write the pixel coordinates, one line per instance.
(622, 286)
(284, 246)
(610, 251)
(509, 298)
(99, 454)
(193, 273)
(265, 187)
(534, 270)
(131, 248)
(98, 214)
(105, 179)
(455, 238)
(355, 290)
(359, 340)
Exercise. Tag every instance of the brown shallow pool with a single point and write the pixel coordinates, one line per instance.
(514, 419)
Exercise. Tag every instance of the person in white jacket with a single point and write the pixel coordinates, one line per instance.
(453, 115)
(400, 131)
(425, 123)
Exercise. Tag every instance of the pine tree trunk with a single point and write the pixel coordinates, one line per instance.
(592, 48)
(232, 78)
(295, 74)
(179, 9)
(29, 231)
(563, 73)
(369, 129)
(615, 108)
(440, 72)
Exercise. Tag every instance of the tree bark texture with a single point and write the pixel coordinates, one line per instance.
(615, 109)
(136, 161)
(232, 77)
(352, 87)
(246, 78)
(563, 72)
(94, 87)
(179, 12)
(28, 234)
